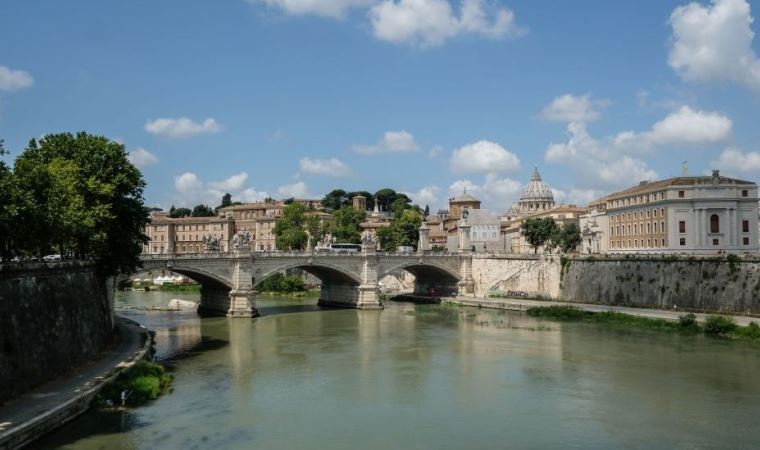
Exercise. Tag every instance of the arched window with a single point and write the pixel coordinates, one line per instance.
(714, 224)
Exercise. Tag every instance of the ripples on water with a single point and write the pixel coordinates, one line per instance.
(428, 377)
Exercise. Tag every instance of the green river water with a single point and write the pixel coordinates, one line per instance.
(427, 377)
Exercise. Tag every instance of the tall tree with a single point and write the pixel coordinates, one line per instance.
(538, 231)
(179, 212)
(335, 199)
(346, 227)
(289, 231)
(404, 231)
(81, 193)
(7, 205)
(570, 237)
(203, 211)
(226, 201)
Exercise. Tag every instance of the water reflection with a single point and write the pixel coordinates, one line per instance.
(427, 376)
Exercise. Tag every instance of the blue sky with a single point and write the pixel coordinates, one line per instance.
(296, 97)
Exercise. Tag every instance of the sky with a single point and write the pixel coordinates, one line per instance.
(293, 98)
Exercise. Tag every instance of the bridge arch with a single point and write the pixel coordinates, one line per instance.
(430, 278)
(325, 272)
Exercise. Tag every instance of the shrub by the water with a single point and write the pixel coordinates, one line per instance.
(142, 382)
(751, 331)
(688, 321)
(171, 287)
(283, 283)
(723, 325)
(559, 312)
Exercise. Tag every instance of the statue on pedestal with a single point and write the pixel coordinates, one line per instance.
(242, 240)
(211, 243)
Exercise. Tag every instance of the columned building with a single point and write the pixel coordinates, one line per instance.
(706, 214)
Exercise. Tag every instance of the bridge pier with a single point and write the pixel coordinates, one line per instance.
(242, 304)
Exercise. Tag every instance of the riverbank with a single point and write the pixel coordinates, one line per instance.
(30, 416)
(514, 304)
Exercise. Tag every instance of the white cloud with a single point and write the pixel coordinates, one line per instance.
(579, 197)
(597, 164)
(13, 80)
(392, 142)
(682, 127)
(192, 191)
(734, 160)
(187, 182)
(233, 183)
(332, 167)
(181, 127)
(252, 195)
(714, 43)
(483, 157)
(435, 151)
(426, 23)
(142, 158)
(427, 195)
(325, 8)
(295, 190)
(572, 108)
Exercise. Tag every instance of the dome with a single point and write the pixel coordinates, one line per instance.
(536, 190)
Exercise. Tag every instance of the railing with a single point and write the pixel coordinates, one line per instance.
(276, 254)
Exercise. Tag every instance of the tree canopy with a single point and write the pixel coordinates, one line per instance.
(338, 198)
(203, 211)
(346, 226)
(80, 196)
(538, 231)
(290, 230)
(404, 231)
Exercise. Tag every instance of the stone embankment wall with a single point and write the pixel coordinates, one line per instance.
(529, 275)
(696, 283)
(53, 317)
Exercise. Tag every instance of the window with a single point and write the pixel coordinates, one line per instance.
(648, 229)
(649, 242)
(715, 241)
(714, 224)
(682, 226)
(662, 226)
(745, 241)
(745, 193)
(681, 194)
(635, 229)
(745, 226)
(682, 241)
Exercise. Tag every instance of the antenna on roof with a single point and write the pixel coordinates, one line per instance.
(685, 168)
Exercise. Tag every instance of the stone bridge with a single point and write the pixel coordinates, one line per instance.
(229, 280)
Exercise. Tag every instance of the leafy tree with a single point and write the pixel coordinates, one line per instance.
(346, 227)
(226, 201)
(335, 199)
(81, 195)
(315, 228)
(289, 230)
(203, 211)
(427, 210)
(570, 237)
(282, 283)
(7, 205)
(404, 231)
(538, 231)
(179, 212)
(288, 201)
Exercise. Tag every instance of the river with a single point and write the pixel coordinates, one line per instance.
(427, 377)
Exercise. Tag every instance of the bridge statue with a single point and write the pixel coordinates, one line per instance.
(211, 243)
(242, 240)
(229, 279)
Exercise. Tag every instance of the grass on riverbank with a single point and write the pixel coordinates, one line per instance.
(142, 382)
(715, 325)
(169, 287)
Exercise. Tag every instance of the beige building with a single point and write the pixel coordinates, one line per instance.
(707, 214)
(185, 234)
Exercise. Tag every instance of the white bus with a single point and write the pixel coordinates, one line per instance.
(340, 248)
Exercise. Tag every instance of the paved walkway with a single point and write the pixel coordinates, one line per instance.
(54, 399)
(515, 304)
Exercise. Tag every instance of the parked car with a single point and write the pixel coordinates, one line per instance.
(51, 258)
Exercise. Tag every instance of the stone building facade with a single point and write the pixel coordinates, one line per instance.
(706, 214)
